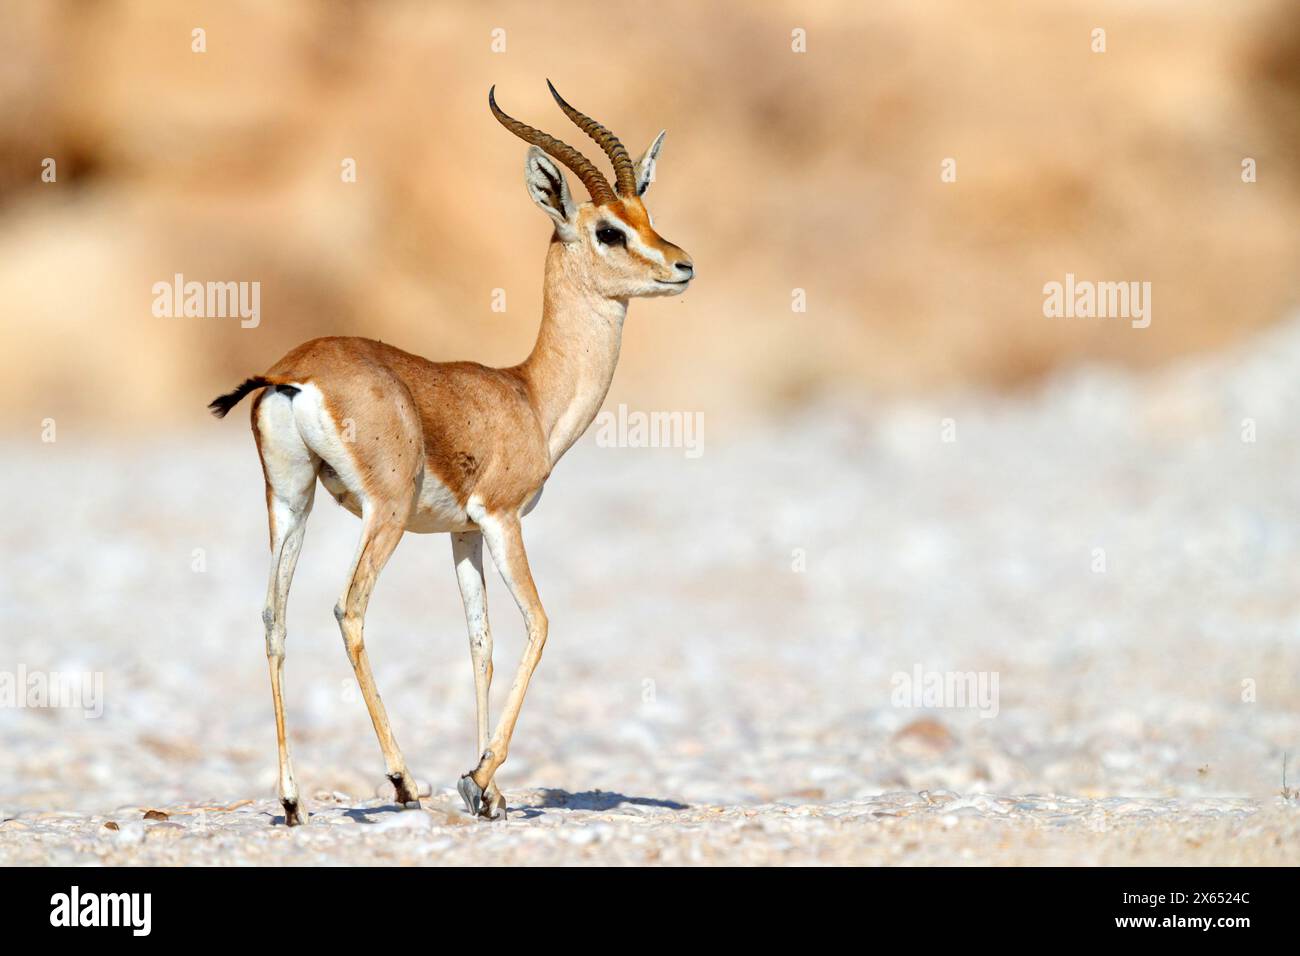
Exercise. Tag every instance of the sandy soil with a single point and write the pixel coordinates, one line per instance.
(726, 634)
(553, 827)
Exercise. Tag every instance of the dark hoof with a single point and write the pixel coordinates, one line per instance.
(294, 815)
(494, 808)
(405, 792)
(471, 793)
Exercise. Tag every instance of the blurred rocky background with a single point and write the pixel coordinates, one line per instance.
(817, 171)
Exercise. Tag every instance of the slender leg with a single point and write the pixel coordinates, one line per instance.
(290, 470)
(505, 540)
(467, 552)
(292, 523)
(379, 538)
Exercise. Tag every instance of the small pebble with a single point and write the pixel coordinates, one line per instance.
(405, 820)
(131, 833)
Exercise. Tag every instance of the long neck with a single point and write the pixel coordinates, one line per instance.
(572, 364)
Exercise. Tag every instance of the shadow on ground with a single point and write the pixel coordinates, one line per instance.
(364, 814)
(599, 800)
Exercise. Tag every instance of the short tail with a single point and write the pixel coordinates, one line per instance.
(224, 403)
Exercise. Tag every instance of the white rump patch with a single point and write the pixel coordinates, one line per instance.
(328, 439)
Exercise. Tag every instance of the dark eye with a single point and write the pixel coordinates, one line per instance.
(611, 237)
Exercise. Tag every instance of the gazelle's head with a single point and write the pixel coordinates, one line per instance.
(612, 236)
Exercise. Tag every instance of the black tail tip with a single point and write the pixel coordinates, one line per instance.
(222, 404)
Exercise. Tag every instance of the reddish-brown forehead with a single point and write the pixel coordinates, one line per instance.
(632, 212)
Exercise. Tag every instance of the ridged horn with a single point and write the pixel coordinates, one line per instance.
(582, 167)
(624, 171)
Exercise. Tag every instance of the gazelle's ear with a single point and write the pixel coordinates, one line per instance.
(645, 166)
(550, 190)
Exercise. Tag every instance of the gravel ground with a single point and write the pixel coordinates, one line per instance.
(551, 827)
(1110, 555)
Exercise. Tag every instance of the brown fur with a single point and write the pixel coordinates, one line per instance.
(466, 412)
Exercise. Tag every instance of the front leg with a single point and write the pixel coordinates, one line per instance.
(467, 552)
(505, 540)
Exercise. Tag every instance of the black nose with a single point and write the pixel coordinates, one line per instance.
(686, 268)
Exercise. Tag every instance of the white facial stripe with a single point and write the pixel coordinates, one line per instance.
(654, 255)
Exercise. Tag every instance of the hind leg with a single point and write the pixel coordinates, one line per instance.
(379, 458)
(290, 469)
(379, 537)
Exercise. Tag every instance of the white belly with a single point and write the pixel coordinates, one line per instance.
(436, 509)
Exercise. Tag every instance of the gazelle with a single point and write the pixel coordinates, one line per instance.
(412, 445)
